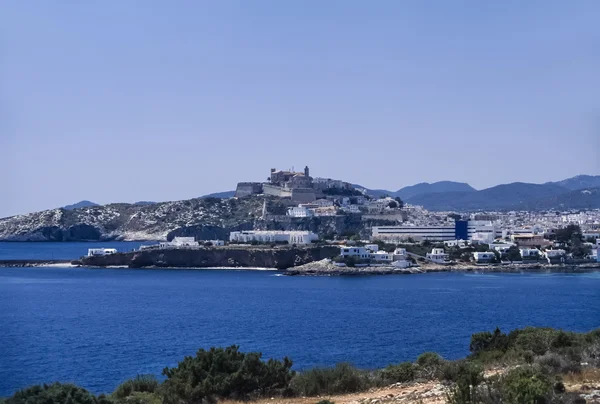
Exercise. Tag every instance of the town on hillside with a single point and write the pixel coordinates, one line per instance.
(400, 235)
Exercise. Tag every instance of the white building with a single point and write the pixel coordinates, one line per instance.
(501, 247)
(323, 203)
(357, 252)
(457, 243)
(529, 252)
(300, 211)
(483, 231)
(92, 252)
(273, 236)
(483, 237)
(418, 233)
(484, 256)
(554, 253)
(438, 256)
(351, 208)
(180, 242)
(382, 256)
(400, 254)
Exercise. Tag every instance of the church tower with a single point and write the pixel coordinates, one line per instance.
(306, 172)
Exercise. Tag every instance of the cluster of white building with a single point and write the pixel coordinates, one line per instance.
(371, 253)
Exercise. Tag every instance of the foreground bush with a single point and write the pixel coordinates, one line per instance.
(402, 373)
(225, 373)
(343, 378)
(526, 385)
(141, 384)
(56, 393)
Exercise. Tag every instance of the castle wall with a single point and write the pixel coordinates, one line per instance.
(248, 188)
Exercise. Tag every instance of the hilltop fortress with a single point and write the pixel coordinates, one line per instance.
(300, 187)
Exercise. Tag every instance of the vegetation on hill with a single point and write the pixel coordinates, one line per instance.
(529, 366)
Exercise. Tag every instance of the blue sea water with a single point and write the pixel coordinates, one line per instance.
(98, 327)
(60, 250)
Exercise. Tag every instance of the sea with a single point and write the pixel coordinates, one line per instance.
(99, 327)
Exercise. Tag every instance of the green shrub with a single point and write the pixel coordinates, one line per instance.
(467, 376)
(141, 383)
(224, 372)
(526, 385)
(56, 393)
(401, 373)
(340, 379)
(456, 371)
(430, 365)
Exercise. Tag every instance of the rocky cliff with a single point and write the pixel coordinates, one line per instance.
(281, 257)
(202, 218)
(206, 217)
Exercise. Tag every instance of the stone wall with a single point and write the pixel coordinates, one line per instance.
(248, 188)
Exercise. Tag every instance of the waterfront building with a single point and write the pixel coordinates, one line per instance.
(400, 254)
(382, 256)
(481, 257)
(101, 251)
(273, 236)
(438, 256)
(357, 252)
(529, 252)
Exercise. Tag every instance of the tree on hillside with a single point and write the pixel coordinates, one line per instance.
(393, 205)
(567, 234)
(400, 202)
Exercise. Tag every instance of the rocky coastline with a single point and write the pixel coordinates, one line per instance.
(326, 267)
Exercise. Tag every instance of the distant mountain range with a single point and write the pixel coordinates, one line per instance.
(448, 195)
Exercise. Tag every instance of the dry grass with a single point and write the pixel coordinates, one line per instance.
(587, 376)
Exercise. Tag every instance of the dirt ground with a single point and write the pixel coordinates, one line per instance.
(426, 393)
(587, 384)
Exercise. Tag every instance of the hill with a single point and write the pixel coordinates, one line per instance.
(579, 182)
(80, 204)
(588, 198)
(501, 197)
(419, 189)
(436, 187)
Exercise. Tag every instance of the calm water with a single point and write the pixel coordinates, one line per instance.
(100, 327)
(61, 251)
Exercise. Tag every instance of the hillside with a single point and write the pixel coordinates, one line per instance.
(579, 199)
(579, 182)
(133, 222)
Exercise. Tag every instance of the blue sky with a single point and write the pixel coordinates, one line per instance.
(155, 100)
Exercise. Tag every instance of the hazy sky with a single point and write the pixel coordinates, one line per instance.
(164, 100)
